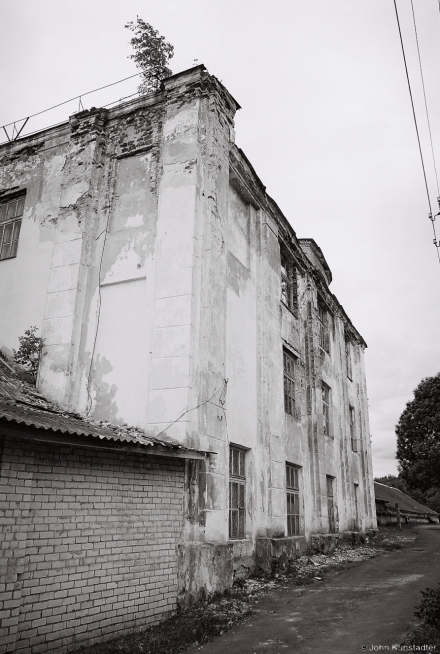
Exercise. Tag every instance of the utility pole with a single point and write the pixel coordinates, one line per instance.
(399, 524)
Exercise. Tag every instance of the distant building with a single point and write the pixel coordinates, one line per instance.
(388, 497)
(174, 296)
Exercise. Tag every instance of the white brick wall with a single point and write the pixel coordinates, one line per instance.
(88, 544)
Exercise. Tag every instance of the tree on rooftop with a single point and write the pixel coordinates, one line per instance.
(151, 53)
(28, 354)
(418, 437)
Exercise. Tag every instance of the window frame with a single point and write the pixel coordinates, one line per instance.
(352, 419)
(324, 332)
(10, 225)
(289, 282)
(293, 499)
(237, 492)
(349, 362)
(289, 382)
(356, 505)
(331, 506)
(326, 409)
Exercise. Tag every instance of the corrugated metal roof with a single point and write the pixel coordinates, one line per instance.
(21, 404)
(394, 495)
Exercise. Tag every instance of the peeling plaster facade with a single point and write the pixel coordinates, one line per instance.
(150, 258)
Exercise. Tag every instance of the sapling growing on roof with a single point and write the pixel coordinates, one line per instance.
(151, 53)
(29, 353)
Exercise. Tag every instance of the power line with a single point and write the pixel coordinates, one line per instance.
(71, 99)
(431, 217)
(424, 95)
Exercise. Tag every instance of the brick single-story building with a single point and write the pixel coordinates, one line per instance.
(410, 511)
(91, 518)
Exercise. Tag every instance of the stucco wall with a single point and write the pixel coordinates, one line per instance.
(25, 280)
(157, 251)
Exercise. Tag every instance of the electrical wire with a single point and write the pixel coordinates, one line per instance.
(413, 109)
(225, 384)
(71, 99)
(98, 316)
(424, 96)
(431, 217)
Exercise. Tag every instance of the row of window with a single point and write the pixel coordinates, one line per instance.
(289, 363)
(289, 297)
(237, 497)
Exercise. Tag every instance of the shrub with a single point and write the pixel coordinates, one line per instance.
(429, 608)
(29, 353)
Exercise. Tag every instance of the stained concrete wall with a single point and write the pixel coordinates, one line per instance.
(157, 251)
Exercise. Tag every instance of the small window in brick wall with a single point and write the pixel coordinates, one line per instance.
(11, 213)
(353, 429)
(292, 486)
(289, 284)
(237, 492)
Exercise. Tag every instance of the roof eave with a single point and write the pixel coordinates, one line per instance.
(39, 435)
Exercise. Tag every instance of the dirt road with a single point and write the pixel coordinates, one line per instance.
(365, 608)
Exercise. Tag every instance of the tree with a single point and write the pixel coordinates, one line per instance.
(151, 53)
(29, 353)
(418, 438)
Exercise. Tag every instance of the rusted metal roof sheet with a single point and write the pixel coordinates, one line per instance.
(393, 495)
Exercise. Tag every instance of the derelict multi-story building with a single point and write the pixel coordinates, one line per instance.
(173, 295)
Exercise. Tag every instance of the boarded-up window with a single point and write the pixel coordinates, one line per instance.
(237, 492)
(292, 486)
(353, 429)
(331, 505)
(289, 284)
(289, 383)
(10, 224)
(326, 409)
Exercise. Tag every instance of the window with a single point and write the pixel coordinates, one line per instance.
(324, 340)
(237, 492)
(289, 285)
(292, 486)
(353, 429)
(326, 408)
(289, 383)
(356, 506)
(331, 505)
(10, 222)
(348, 359)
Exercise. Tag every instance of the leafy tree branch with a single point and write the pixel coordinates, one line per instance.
(151, 53)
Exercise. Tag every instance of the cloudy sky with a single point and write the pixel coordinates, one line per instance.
(326, 121)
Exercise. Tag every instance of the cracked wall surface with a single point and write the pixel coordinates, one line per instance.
(150, 259)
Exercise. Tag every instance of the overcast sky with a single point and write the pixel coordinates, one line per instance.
(326, 121)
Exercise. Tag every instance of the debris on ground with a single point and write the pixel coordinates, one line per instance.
(212, 619)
